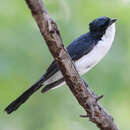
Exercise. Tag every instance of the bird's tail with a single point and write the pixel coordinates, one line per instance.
(23, 98)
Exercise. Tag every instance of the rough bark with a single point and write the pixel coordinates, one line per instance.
(86, 98)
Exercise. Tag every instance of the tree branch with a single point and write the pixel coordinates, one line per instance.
(86, 98)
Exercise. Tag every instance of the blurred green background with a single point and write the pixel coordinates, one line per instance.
(24, 57)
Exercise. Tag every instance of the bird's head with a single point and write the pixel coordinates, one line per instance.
(100, 25)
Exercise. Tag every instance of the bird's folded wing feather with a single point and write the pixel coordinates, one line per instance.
(78, 48)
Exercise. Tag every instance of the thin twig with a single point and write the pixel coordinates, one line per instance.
(86, 98)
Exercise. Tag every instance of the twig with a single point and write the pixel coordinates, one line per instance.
(86, 98)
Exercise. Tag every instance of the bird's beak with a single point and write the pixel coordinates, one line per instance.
(112, 21)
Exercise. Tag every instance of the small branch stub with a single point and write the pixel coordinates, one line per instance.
(84, 116)
(84, 96)
(99, 97)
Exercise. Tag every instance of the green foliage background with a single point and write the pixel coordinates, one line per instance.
(24, 57)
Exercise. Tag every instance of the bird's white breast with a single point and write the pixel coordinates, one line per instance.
(88, 61)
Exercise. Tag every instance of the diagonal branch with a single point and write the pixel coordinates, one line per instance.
(86, 98)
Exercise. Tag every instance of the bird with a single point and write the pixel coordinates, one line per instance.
(85, 51)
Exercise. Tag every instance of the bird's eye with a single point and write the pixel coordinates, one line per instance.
(102, 26)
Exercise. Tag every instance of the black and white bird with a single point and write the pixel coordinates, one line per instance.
(86, 51)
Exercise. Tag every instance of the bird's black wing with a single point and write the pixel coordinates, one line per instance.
(81, 46)
(78, 48)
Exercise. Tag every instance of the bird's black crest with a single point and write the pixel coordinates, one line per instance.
(99, 24)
